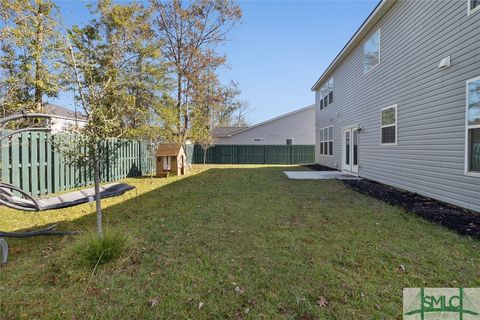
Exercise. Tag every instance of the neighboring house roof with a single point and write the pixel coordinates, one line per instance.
(379, 11)
(222, 132)
(61, 112)
(169, 149)
(268, 121)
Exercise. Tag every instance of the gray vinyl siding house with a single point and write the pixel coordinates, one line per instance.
(296, 127)
(428, 140)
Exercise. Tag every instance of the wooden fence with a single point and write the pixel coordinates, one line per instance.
(30, 162)
(256, 154)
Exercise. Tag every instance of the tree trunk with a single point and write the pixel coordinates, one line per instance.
(98, 204)
(38, 95)
(38, 89)
(179, 105)
(204, 156)
(185, 126)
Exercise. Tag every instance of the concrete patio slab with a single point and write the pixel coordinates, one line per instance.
(318, 175)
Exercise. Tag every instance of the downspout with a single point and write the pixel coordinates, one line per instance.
(359, 130)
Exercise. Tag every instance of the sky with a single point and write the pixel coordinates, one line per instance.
(278, 51)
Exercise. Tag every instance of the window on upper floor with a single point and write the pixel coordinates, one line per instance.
(289, 142)
(326, 141)
(389, 125)
(326, 94)
(473, 5)
(473, 126)
(371, 52)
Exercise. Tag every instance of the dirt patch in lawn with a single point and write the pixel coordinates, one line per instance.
(318, 167)
(455, 218)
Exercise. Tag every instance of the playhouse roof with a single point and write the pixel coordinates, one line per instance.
(169, 149)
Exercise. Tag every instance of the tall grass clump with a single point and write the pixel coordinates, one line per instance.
(95, 250)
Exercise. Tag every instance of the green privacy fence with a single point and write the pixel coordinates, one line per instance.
(256, 154)
(29, 162)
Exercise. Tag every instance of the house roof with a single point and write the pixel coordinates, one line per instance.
(221, 132)
(374, 17)
(271, 120)
(62, 112)
(168, 149)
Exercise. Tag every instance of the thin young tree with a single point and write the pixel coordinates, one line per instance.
(201, 133)
(190, 32)
(99, 58)
(206, 140)
(30, 47)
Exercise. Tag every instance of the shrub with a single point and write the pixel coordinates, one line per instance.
(96, 250)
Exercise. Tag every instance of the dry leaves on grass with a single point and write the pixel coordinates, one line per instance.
(152, 302)
(94, 291)
(240, 314)
(253, 302)
(15, 250)
(401, 268)
(282, 309)
(322, 302)
(239, 290)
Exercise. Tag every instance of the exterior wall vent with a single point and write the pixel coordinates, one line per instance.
(444, 63)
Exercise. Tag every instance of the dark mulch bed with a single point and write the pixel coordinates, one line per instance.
(318, 167)
(455, 218)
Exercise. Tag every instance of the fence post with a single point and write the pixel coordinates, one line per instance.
(6, 162)
(34, 163)
(25, 161)
(15, 143)
(140, 159)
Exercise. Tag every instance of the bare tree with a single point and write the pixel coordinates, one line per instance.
(232, 111)
(190, 32)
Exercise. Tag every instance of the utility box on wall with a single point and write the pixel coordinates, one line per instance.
(171, 158)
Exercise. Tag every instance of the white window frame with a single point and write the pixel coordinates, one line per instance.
(321, 93)
(467, 130)
(470, 10)
(379, 51)
(389, 125)
(326, 151)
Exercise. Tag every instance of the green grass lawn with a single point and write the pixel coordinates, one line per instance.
(243, 242)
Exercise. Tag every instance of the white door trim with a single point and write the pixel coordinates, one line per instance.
(346, 167)
(350, 167)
